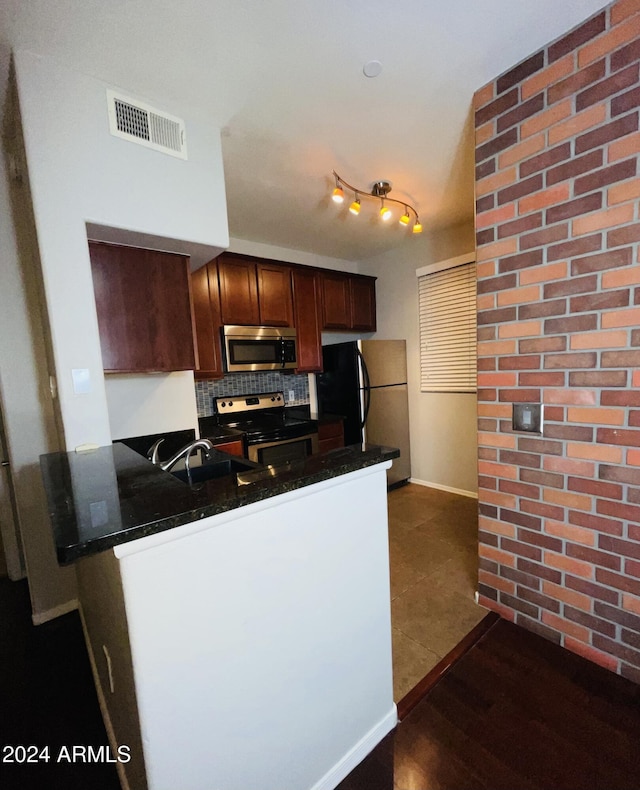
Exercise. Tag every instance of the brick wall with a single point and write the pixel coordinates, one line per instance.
(557, 225)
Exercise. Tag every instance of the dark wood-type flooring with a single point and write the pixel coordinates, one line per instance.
(514, 713)
(47, 698)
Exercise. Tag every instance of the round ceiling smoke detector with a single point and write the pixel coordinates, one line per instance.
(372, 68)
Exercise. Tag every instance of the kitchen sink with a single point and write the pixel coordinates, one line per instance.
(215, 469)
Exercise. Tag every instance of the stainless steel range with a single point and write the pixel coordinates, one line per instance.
(271, 436)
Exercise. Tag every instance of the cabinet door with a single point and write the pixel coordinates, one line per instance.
(362, 297)
(307, 307)
(336, 310)
(274, 295)
(144, 308)
(206, 311)
(238, 291)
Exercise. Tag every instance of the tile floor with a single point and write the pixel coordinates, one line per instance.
(434, 567)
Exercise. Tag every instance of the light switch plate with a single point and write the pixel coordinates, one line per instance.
(527, 417)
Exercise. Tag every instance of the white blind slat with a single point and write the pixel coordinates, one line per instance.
(447, 312)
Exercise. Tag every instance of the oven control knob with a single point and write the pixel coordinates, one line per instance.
(230, 403)
(278, 398)
(272, 397)
(223, 404)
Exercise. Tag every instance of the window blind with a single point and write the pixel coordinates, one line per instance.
(448, 330)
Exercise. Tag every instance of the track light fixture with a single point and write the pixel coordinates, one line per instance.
(379, 191)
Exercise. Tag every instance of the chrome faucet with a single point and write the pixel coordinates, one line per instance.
(185, 452)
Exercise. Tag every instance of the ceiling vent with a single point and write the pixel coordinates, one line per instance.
(137, 122)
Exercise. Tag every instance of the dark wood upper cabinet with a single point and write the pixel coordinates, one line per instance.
(274, 294)
(144, 308)
(238, 290)
(336, 310)
(362, 300)
(206, 311)
(307, 305)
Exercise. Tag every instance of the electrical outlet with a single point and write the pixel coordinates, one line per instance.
(292, 395)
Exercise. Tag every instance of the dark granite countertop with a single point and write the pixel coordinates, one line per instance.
(105, 497)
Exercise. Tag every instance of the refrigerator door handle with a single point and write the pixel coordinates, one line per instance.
(366, 387)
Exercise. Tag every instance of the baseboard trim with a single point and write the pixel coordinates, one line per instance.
(420, 691)
(440, 487)
(38, 618)
(356, 755)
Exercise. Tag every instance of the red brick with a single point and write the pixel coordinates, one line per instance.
(484, 95)
(542, 237)
(520, 396)
(593, 557)
(520, 459)
(494, 217)
(623, 57)
(555, 379)
(626, 548)
(602, 90)
(576, 167)
(595, 487)
(545, 160)
(541, 509)
(520, 519)
(572, 84)
(521, 549)
(520, 225)
(519, 489)
(543, 120)
(627, 101)
(519, 113)
(493, 284)
(501, 142)
(598, 378)
(604, 260)
(607, 133)
(591, 589)
(617, 615)
(588, 119)
(573, 208)
(548, 76)
(620, 359)
(570, 286)
(542, 344)
(496, 316)
(591, 340)
(492, 183)
(546, 479)
(547, 197)
(618, 398)
(567, 532)
(569, 466)
(630, 317)
(518, 152)
(496, 107)
(623, 9)
(611, 40)
(596, 624)
(601, 220)
(520, 72)
(615, 648)
(618, 510)
(485, 169)
(573, 433)
(570, 396)
(594, 452)
(537, 599)
(520, 362)
(627, 168)
(520, 261)
(540, 571)
(485, 236)
(578, 632)
(580, 35)
(626, 235)
(628, 190)
(601, 301)
(570, 249)
(576, 323)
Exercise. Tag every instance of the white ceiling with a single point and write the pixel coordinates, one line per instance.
(283, 79)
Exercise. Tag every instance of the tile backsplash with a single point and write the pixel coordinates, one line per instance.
(251, 384)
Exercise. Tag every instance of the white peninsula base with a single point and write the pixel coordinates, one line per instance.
(250, 650)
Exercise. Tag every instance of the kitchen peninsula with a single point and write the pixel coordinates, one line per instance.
(240, 634)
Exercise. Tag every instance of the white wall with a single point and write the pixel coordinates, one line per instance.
(25, 398)
(80, 173)
(442, 425)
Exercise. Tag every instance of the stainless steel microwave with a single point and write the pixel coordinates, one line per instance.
(248, 348)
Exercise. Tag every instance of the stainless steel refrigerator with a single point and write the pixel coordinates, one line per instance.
(365, 382)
